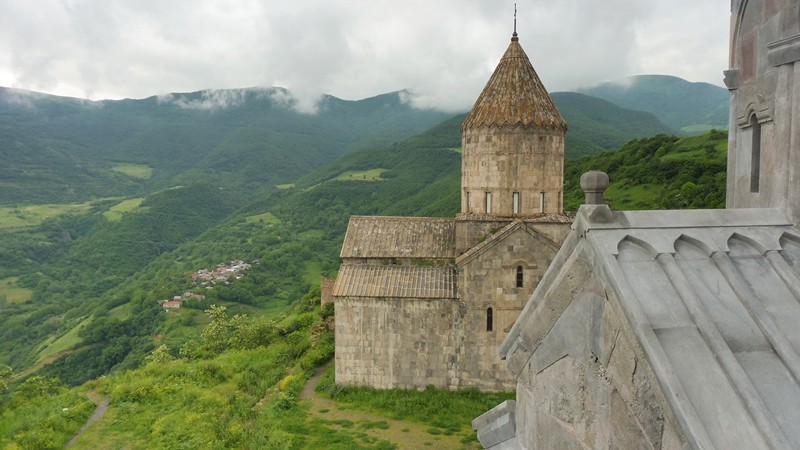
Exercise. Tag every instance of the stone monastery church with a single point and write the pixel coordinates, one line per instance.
(678, 329)
(427, 301)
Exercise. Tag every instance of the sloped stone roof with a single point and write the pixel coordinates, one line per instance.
(498, 237)
(363, 280)
(713, 300)
(399, 237)
(514, 95)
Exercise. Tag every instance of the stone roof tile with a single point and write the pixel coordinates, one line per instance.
(514, 95)
(399, 237)
(364, 280)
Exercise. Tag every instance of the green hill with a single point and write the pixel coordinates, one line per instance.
(691, 108)
(242, 139)
(597, 125)
(659, 172)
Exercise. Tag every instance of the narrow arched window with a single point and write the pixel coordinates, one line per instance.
(489, 319)
(519, 276)
(488, 203)
(515, 202)
(755, 159)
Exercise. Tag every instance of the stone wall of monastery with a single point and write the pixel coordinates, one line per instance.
(586, 383)
(472, 230)
(398, 343)
(764, 123)
(504, 160)
(489, 280)
(403, 343)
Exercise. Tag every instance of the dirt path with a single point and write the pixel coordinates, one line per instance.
(102, 406)
(404, 434)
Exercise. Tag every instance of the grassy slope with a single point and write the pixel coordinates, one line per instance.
(661, 172)
(307, 222)
(238, 386)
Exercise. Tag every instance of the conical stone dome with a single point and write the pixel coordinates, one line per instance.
(512, 161)
(514, 96)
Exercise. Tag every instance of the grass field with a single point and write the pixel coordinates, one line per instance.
(285, 186)
(13, 292)
(64, 342)
(266, 217)
(696, 150)
(115, 212)
(120, 312)
(32, 215)
(632, 197)
(699, 128)
(313, 272)
(361, 175)
(312, 234)
(140, 171)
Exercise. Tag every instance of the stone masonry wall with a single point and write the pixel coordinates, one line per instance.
(397, 343)
(588, 385)
(470, 232)
(489, 280)
(764, 81)
(504, 160)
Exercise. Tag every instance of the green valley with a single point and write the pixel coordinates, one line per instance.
(91, 248)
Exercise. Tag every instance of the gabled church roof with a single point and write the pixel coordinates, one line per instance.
(498, 237)
(514, 96)
(378, 281)
(713, 299)
(399, 237)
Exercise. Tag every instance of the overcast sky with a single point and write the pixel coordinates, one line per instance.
(441, 50)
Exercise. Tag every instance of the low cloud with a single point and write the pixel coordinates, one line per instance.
(223, 99)
(210, 100)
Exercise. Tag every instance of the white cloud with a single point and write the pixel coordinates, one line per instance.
(441, 51)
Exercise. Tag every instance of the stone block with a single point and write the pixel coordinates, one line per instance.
(496, 425)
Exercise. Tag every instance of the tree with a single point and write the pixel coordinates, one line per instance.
(6, 374)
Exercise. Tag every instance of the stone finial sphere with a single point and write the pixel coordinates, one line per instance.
(594, 184)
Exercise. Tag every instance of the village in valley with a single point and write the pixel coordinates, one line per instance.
(207, 279)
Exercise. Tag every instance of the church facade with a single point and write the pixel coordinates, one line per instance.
(427, 301)
(764, 82)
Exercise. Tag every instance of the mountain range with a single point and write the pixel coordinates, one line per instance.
(687, 107)
(59, 149)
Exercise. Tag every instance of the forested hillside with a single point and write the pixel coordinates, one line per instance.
(250, 370)
(80, 267)
(61, 149)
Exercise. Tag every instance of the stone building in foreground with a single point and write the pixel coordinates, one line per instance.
(427, 301)
(678, 329)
